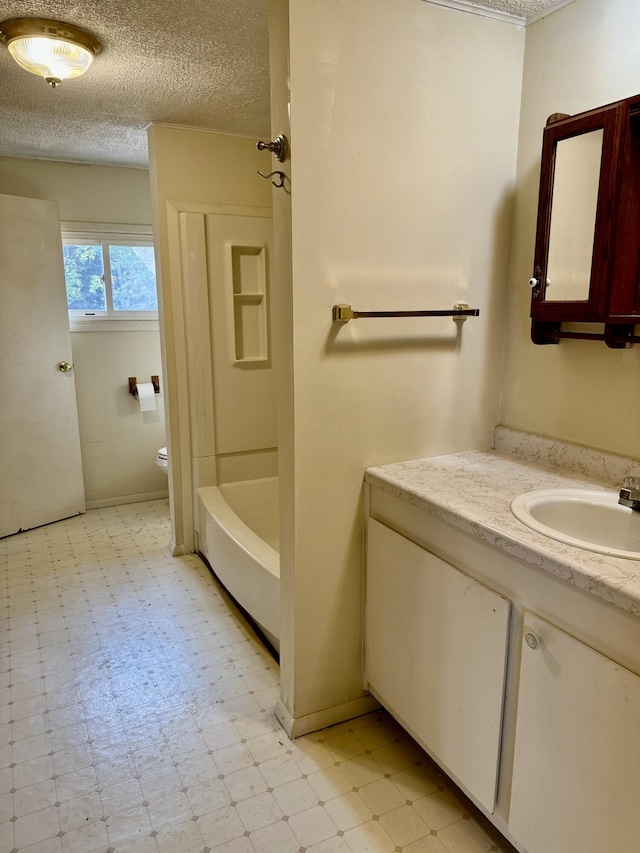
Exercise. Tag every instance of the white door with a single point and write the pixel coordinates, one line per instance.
(40, 462)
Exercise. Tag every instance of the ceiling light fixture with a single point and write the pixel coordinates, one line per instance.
(51, 49)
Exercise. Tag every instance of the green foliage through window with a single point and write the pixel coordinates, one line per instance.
(83, 272)
(105, 277)
(133, 278)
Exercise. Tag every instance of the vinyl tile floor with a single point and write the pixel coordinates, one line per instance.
(136, 716)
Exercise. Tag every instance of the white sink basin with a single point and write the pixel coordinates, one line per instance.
(585, 518)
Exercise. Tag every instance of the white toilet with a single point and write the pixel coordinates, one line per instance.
(162, 460)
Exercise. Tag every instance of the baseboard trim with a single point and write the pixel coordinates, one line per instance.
(298, 726)
(128, 499)
(178, 550)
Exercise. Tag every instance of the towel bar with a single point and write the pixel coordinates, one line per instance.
(460, 311)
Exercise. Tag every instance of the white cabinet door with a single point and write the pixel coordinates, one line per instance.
(576, 782)
(435, 646)
(40, 462)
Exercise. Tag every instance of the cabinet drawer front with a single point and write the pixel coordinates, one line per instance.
(577, 760)
(435, 655)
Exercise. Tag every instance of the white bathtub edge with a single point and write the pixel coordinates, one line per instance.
(246, 565)
(212, 500)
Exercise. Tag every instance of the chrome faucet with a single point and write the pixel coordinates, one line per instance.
(630, 493)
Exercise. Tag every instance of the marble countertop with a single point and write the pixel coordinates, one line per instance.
(473, 491)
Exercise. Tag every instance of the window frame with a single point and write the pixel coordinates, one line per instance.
(104, 235)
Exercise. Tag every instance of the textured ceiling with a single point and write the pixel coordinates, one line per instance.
(522, 8)
(201, 63)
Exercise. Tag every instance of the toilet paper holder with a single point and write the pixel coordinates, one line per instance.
(133, 385)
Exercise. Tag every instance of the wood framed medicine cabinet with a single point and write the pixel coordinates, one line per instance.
(587, 254)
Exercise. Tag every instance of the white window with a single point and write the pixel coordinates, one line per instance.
(110, 276)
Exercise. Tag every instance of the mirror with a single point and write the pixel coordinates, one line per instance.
(586, 263)
(573, 216)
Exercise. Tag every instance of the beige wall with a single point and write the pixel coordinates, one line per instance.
(582, 56)
(84, 192)
(404, 122)
(119, 443)
(194, 172)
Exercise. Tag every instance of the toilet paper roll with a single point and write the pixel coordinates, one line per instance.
(146, 397)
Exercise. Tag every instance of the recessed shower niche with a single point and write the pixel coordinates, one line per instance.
(221, 260)
(246, 268)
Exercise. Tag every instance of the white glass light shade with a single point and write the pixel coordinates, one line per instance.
(51, 58)
(52, 49)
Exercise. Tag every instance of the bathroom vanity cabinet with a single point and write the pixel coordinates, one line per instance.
(575, 774)
(432, 624)
(524, 688)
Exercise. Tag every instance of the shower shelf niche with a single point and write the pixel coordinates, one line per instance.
(246, 266)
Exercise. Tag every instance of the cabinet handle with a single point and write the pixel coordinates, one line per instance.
(531, 640)
(534, 283)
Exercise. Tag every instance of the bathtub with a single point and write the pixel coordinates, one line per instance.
(237, 526)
